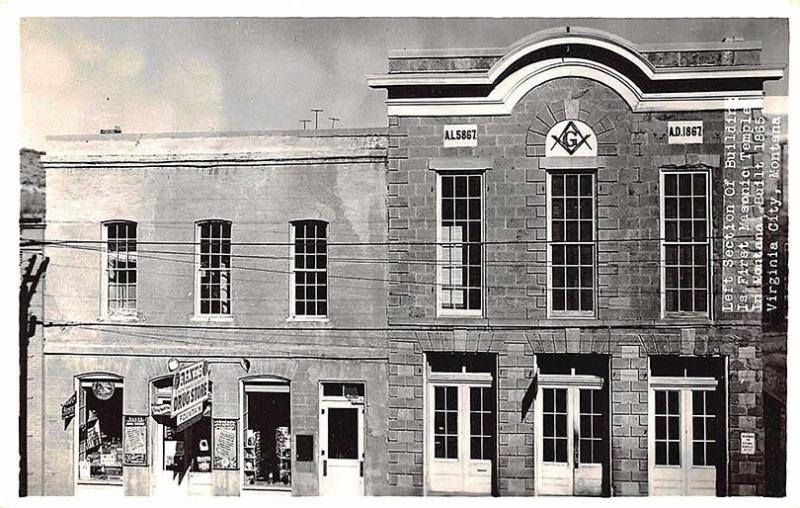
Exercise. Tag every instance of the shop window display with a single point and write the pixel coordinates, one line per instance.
(100, 431)
(267, 455)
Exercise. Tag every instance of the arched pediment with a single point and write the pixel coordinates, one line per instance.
(551, 54)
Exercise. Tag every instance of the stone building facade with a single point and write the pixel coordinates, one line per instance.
(520, 288)
(215, 266)
(550, 331)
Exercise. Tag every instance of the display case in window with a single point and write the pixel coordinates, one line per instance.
(100, 452)
(252, 457)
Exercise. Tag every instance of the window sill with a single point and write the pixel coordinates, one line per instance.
(279, 488)
(459, 314)
(120, 318)
(297, 321)
(559, 315)
(687, 317)
(313, 319)
(101, 483)
(202, 318)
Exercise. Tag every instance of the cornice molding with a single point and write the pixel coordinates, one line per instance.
(544, 56)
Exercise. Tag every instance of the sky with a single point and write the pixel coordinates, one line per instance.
(212, 74)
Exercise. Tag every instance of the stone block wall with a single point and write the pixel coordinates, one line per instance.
(633, 150)
(629, 350)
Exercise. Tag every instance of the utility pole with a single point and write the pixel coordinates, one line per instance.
(316, 117)
(304, 122)
(333, 120)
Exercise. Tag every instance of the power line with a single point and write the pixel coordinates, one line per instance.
(605, 292)
(520, 264)
(487, 325)
(400, 242)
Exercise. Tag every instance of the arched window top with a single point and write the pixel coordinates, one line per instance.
(265, 379)
(118, 221)
(99, 376)
(308, 221)
(213, 221)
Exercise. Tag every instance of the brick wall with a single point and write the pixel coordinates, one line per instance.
(629, 350)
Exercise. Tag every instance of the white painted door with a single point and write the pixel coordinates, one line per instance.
(571, 435)
(682, 445)
(461, 422)
(341, 447)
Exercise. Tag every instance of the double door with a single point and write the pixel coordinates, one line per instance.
(572, 435)
(683, 443)
(460, 434)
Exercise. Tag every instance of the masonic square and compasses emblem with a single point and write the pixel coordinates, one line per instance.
(571, 138)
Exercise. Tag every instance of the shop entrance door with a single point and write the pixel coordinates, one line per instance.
(341, 437)
(170, 469)
(182, 459)
(571, 441)
(683, 448)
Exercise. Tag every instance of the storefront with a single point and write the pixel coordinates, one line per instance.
(225, 368)
(209, 427)
(98, 435)
(181, 432)
(266, 441)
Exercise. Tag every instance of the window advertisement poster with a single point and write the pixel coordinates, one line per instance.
(135, 444)
(226, 434)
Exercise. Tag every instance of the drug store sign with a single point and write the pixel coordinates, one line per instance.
(190, 389)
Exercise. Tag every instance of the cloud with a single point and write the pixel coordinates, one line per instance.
(76, 83)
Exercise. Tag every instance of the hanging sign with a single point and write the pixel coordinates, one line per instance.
(190, 388)
(68, 407)
(135, 440)
(460, 135)
(161, 409)
(685, 132)
(188, 417)
(226, 437)
(748, 443)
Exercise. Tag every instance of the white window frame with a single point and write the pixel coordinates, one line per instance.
(105, 312)
(198, 315)
(440, 311)
(708, 313)
(293, 316)
(571, 314)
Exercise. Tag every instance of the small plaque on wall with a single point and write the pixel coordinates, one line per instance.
(305, 448)
(748, 446)
(685, 132)
(460, 135)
